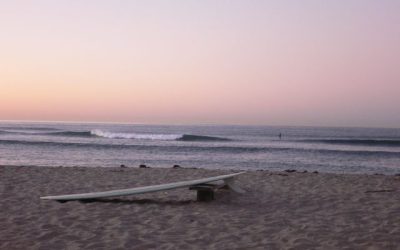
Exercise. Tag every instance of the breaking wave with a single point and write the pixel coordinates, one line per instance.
(114, 135)
(119, 135)
(162, 137)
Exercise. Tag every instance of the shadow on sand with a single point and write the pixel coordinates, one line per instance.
(138, 201)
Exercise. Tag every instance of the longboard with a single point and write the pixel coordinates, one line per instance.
(147, 189)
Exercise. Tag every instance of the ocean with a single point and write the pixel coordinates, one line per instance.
(322, 149)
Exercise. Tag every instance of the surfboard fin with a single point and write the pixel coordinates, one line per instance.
(230, 182)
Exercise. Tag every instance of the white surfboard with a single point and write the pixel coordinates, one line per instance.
(228, 179)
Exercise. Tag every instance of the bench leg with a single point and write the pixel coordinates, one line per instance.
(205, 195)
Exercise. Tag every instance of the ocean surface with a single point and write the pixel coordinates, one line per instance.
(334, 150)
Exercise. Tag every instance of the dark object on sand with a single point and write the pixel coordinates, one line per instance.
(205, 192)
(143, 166)
(380, 191)
(123, 166)
(315, 172)
(176, 166)
(290, 170)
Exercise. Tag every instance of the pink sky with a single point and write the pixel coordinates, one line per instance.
(325, 63)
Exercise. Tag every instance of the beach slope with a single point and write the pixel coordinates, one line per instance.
(279, 211)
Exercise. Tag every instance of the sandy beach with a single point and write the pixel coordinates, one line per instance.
(280, 210)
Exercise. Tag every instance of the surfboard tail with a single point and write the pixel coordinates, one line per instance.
(230, 182)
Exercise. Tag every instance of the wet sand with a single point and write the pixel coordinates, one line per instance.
(279, 211)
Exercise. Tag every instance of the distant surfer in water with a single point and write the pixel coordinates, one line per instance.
(280, 136)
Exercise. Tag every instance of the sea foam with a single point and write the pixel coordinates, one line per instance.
(113, 135)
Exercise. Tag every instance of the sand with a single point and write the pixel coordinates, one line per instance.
(279, 211)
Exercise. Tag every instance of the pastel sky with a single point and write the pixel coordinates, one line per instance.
(330, 63)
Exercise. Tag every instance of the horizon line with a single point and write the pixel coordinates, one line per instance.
(188, 124)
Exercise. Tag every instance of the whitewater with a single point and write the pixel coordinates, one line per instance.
(336, 150)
